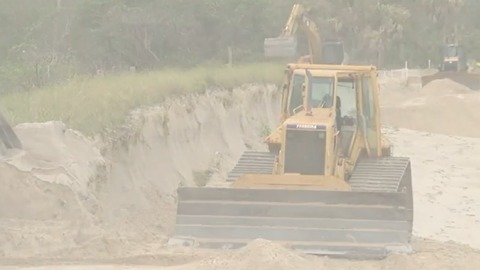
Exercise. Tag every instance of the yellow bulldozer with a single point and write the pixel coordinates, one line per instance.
(286, 46)
(328, 184)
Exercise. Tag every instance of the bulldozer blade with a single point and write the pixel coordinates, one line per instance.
(352, 224)
(280, 47)
(470, 80)
(341, 223)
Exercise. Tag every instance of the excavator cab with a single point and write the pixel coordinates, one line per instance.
(323, 189)
(333, 52)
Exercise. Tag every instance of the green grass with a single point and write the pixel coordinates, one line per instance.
(92, 104)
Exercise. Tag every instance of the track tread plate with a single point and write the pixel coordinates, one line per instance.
(381, 174)
(252, 162)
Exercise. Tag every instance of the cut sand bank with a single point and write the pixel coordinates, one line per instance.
(68, 196)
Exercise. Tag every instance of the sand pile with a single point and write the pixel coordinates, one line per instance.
(258, 253)
(443, 106)
(430, 256)
(45, 200)
(57, 155)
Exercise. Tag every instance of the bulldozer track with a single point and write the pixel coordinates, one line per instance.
(252, 162)
(380, 174)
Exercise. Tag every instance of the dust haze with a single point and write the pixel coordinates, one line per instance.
(71, 201)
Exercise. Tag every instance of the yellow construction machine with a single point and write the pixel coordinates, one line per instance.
(328, 184)
(454, 67)
(286, 45)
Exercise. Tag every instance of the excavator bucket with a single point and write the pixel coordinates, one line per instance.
(470, 80)
(282, 47)
(369, 221)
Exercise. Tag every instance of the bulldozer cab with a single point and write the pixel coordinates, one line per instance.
(341, 100)
(454, 58)
(452, 50)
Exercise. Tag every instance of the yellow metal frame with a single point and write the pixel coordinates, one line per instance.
(336, 167)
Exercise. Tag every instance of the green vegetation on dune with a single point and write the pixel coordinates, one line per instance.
(92, 104)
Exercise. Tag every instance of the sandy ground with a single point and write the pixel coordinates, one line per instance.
(68, 202)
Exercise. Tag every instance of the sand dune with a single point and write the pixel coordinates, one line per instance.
(443, 106)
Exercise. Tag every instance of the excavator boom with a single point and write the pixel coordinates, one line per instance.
(286, 45)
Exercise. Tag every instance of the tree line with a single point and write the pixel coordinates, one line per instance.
(47, 41)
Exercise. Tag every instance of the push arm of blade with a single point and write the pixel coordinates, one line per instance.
(363, 126)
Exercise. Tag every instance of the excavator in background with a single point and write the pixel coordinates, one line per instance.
(328, 185)
(8, 138)
(454, 67)
(286, 45)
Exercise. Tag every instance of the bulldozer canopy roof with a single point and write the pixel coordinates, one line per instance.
(330, 73)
